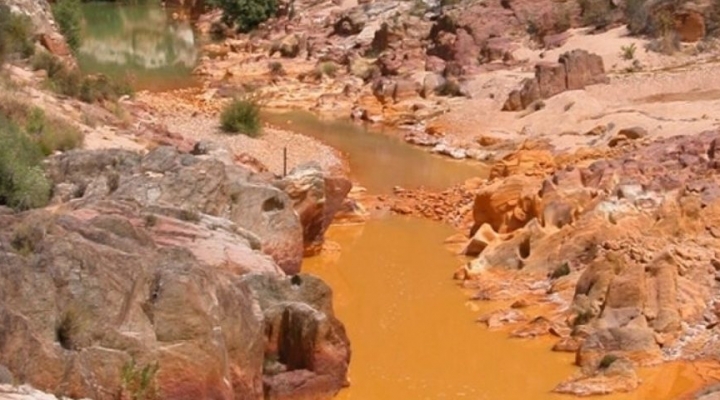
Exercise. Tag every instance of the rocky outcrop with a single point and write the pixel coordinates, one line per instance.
(316, 198)
(166, 265)
(574, 70)
(629, 239)
(193, 185)
(306, 349)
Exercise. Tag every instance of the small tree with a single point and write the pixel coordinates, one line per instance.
(246, 14)
(68, 16)
(241, 116)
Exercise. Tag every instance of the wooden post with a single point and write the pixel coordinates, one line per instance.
(284, 161)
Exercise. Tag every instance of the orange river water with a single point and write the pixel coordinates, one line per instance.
(413, 338)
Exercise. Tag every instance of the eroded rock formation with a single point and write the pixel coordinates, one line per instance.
(166, 259)
(630, 241)
(574, 70)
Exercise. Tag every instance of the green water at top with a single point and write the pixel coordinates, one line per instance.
(142, 43)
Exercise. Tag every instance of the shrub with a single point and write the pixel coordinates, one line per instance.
(246, 15)
(628, 52)
(583, 318)
(595, 12)
(607, 361)
(22, 182)
(50, 134)
(68, 16)
(637, 16)
(138, 383)
(241, 116)
(276, 68)
(449, 88)
(562, 270)
(15, 34)
(562, 19)
(329, 69)
(71, 82)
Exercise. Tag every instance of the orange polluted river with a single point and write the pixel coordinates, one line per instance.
(413, 338)
(413, 335)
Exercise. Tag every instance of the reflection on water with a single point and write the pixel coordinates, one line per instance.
(413, 339)
(141, 42)
(379, 161)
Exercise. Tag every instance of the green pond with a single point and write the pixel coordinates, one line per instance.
(141, 43)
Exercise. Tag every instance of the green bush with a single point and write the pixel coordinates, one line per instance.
(607, 361)
(49, 133)
(68, 16)
(449, 88)
(22, 182)
(241, 116)
(276, 68)
(71, 82)
(246, 15)
(139, 383)
(637, 16)
(329, 68)
(562, 270)
(595, 12)
(628, 52)
(15, 34)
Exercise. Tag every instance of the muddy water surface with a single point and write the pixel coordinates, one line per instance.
(379, 161)
(413, 338)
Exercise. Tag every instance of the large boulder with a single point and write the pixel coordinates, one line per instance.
(195, 185)
(574, 70)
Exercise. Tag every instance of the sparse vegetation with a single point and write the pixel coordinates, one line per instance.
(241, 116)
(15, 34)
(628, 52)
(328, 69)
(595, 12)
(190, 216)
(562, 19)
(22, 182)
(246, 15)
(276, 68)
(449, 88)
(561, 270)
(68, 16)
(637, 16)
(69, 328)
(51, 134)
(139, 382)
(150, 220)
(71, 82)
(607, 361)
(582, 318)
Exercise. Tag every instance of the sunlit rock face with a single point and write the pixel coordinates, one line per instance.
(143, 43)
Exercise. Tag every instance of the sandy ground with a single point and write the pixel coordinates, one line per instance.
(671, 95)
(181, 114)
